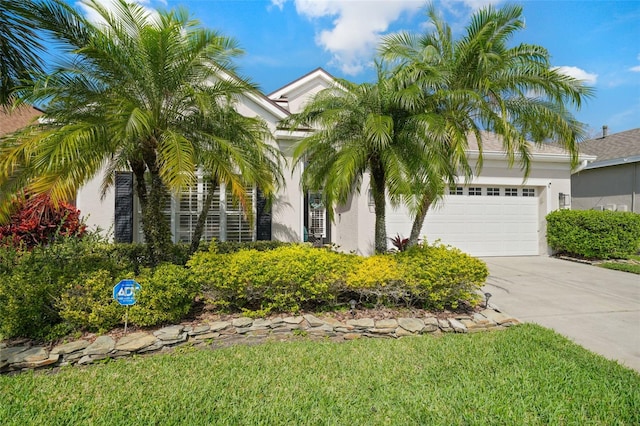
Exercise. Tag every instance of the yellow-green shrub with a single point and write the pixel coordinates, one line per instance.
(286, 278)
(87, 302)
(167, 295)
(441, 276)
(377, 279)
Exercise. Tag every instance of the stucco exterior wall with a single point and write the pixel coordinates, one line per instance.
(614, 188)
(98, 212)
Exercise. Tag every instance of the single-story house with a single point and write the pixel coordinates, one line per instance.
(612, 180)
(495, 214)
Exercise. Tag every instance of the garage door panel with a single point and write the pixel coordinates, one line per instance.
(479, 225)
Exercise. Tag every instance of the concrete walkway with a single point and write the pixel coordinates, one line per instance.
(595, 307)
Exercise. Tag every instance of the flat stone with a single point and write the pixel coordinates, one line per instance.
(362, 323)
(377, 330)
(414, 325)
(322, 329)
(70, 347)
(159, 344)
(261, 323)
(457, 326)
(344, 329)
(313, 321)
(293, 320)
(352, 336)
(37, 353)
(7, 353)
(243, 330)
(498, 317)
(172, 332)
(136, 341)
(401, 332)
(259, 333)
(101, 346)
(199, 329)
(207, 336)
(334, 322)
(51, 359)
(387, 323)
(276, 321)
(471, 325)
(443, 323)
(3, 364)
(179, 339)
(218, 325)
(72, 356)
(430, 325)
(242, 322)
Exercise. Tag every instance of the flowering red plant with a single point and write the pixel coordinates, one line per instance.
(38, 221)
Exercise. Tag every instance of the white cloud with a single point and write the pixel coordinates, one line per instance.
(356, 26)
(93, 16)
(635, 69)
(578, 74)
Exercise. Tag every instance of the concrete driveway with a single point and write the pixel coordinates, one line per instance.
(595, 307)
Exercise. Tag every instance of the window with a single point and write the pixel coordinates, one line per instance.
(493, 192)
(475, 191)
(528, 192)
(511, 192)
(456, 190)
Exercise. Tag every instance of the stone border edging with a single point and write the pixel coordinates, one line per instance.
(238, 330)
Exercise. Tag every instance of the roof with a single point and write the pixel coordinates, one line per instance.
(12, 120)
(615, 149)
(492, 142)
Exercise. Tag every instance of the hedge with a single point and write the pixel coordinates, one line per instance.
(592, 234)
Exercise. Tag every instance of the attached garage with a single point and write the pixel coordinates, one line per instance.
(480, 220)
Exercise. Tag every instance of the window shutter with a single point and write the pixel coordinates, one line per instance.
(263, 218)
(123, 224)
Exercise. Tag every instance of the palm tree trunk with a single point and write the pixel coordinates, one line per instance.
(418, 220)
(380, 204)
(202, 218)
(155, 227)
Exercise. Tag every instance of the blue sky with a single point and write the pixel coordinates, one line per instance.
(594, 40)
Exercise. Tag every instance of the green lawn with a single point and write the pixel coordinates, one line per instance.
(524, 375)
(626, 267)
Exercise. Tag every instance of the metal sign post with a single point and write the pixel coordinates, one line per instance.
(125, 294)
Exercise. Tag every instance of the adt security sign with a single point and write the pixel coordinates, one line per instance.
(125, 292)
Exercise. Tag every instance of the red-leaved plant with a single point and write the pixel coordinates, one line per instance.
(400, 243)
(37, 221)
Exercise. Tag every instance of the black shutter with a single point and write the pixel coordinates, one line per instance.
(123, 224)
(263, 218)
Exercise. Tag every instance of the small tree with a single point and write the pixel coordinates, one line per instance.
(37, 221)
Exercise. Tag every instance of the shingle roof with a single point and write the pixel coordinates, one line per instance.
(616, 146)
(10, 121)
(492, 142)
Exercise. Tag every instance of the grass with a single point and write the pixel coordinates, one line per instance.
(524, 375)
(626, 267)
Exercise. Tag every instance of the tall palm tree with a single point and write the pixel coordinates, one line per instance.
(239, 156)
(360, 128)
(476, 83)
(19, 47)
(139, 91)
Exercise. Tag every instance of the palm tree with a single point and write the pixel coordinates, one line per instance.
(360, 128)
(140, 91)
(477, 82)
(239, 156)
(19, 47)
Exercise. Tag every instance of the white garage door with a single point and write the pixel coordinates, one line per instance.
(480, 225)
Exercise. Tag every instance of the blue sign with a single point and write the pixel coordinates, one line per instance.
(125, 292)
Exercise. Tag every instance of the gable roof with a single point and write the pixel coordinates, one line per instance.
(12, 120)
(611, 150)
(318, 73)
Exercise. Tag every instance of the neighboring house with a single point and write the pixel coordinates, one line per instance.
(612, 180)
(12, 120)
(496, 214)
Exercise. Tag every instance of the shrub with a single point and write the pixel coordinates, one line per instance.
(233, 247)
(377, 279)
(38, 221)
(87, 302)
(286, 278)
(167, 295)
(594, 234)
(439, 276)
(35, 281)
